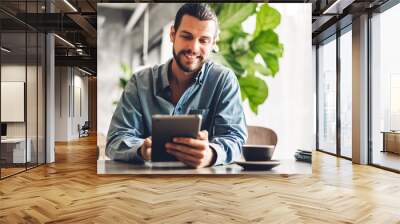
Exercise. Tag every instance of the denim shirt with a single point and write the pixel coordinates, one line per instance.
(214, 93)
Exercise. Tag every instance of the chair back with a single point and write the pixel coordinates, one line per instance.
(86, 125)
(261, 136)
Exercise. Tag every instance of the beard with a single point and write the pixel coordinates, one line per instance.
(179, 58)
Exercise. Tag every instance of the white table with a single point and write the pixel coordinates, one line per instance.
(391, 141)
(17, 146)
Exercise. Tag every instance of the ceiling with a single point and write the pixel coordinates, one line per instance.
(76, 22)
(73, 21)
(332, 15)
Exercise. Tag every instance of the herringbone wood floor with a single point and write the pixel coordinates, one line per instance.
(70, 191)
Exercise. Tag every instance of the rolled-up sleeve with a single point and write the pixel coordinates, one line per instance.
(125, 134)
(229, 130)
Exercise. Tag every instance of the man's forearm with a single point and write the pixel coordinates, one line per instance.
(125, 149)
(227, 150)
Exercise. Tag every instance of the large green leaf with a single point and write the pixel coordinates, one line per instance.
(266, 36)
(247, 62)
(224, 47)
(268, 46)
(255, 89)
(233, 14)
(253, 107)
(262, 69)
(272, 62)
(234, 64)
(234, 31)
(247, 59)
(267, 42)
(266, 18)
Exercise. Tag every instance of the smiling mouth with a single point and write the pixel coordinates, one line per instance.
(191, 57)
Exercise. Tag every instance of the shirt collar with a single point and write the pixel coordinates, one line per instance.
(164, 75)
(198, 79)
(200, 75)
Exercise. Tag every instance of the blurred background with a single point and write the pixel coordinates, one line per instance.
(134, 36)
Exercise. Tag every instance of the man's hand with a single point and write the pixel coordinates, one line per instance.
(145, 150)
(193, 152)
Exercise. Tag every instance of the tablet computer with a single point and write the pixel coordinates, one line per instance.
(166, 127)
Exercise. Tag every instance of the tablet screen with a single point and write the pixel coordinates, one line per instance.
(166, 127)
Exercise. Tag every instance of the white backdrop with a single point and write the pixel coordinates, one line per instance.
(290, 107)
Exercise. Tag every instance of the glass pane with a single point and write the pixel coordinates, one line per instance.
(41, 98)
(31, 97)
(13, 86)
(23, 82)
(386, 89)
(346, 94)
(327, 96)
(32, 86)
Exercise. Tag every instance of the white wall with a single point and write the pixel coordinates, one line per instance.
(61, 103)
(80, 83)
(289, 109)
(68, 82)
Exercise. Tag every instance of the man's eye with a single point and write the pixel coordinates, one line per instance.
(185, 37)
(204, 41)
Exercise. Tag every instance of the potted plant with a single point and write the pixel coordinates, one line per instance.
(238, 49)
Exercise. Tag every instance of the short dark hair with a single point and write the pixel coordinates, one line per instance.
(201, 11)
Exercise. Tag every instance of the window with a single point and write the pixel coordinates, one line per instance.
(327, 96)
(346, 93)
(385, 89)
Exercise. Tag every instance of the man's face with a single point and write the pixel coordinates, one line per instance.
(192, 42)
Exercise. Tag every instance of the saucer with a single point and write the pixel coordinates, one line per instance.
(258, 165)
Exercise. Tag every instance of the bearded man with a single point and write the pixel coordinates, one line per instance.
(188, 83)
